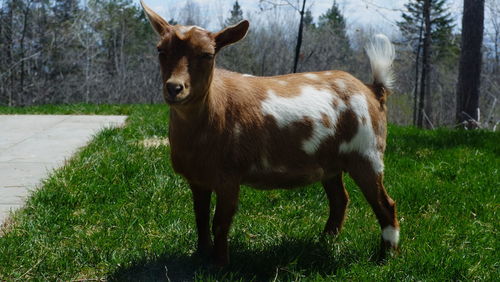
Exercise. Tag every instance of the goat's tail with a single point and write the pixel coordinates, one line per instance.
(381, 53)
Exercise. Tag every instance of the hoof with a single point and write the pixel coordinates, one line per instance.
(388, 250)
(331, 231)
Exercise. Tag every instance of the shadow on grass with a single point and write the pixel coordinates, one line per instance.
(175, 268)
(289, 260)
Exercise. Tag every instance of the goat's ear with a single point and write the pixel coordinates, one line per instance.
(231, 34)
(157, 22)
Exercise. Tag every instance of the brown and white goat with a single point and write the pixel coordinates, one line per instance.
(228, 129)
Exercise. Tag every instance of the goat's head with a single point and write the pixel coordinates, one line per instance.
(187, 56)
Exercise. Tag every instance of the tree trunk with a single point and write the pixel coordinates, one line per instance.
(299, 38)
(424, 79)
(9, 46)
(24, 32)
(469, 71)
(417, 73)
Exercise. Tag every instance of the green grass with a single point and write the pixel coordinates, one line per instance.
(117, 211)
(72, 109)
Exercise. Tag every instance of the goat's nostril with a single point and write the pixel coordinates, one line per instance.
(174, 88)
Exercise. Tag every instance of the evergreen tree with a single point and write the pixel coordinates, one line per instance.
(333, 23)
(435, 47)
(445, 45)
(333, 17)
(236, 15)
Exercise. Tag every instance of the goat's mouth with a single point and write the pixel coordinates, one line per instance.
(177, 101)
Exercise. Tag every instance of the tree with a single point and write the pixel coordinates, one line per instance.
(333, 25)
(302, 13)
(191, 14)
(236, 15)
(65, 10)
(309, 20)
(441, 26)
(427, 26)
(236, 57)
(333, 17)
(469, 74)
(425, 77)
(493, 8)
(299, 37)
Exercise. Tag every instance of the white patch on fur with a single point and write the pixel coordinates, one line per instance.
(328, 73)
(312, 76)
(311, 103)
(365, 141)
(391, 234)
(248, 75)
(381, 53)
(282, 82)
(340, 83)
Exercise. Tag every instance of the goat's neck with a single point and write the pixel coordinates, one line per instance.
(208, 109)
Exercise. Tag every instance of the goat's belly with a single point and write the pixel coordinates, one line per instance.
(278, 179)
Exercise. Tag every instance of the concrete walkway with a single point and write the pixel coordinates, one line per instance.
(31, 146)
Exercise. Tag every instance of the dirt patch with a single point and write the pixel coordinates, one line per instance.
(155, 142)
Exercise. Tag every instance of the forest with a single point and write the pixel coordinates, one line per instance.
(103, 52)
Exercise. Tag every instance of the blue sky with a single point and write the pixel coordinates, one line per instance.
(380, 14)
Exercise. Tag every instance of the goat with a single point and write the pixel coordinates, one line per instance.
(228, 129)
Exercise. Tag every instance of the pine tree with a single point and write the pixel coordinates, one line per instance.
(236, 15)
(334, 22)
(444, 43)
(333, 17)
(432, 42)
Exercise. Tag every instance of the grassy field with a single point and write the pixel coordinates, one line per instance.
(117, 211)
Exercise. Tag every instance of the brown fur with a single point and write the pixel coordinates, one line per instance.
(220, 138)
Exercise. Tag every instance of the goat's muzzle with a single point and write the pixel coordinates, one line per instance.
(173, 89)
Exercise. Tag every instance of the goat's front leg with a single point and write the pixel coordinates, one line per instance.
(201, 202)
(227, 203)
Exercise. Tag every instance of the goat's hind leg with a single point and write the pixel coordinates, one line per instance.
(371, 183)
(338, 199)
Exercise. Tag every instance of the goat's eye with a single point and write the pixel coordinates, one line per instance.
(160, 51)
(207, 56)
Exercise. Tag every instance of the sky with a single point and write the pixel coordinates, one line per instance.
(379, 14)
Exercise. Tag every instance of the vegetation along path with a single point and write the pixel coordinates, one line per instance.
(116, 211)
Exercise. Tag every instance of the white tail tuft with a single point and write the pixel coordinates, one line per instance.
(381, 53)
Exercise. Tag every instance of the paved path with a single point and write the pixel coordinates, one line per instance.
(31, 146)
